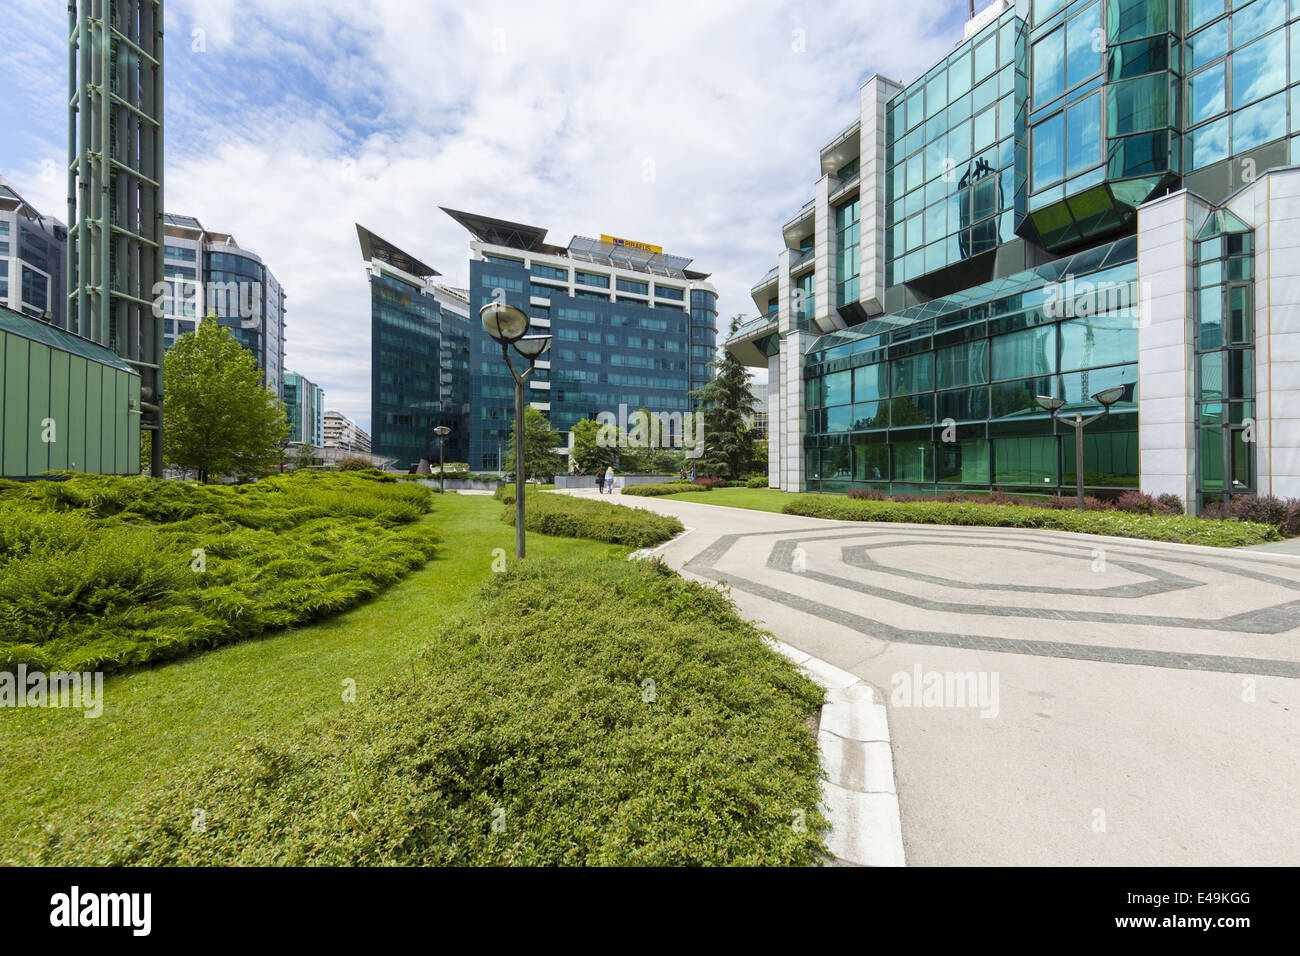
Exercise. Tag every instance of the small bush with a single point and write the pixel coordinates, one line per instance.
(655, 491)
(570, 517)
(1187, 530)
(757, 481)
(1139, 503)
(1283, 514)
(710, 483)
(1173, 502)
(354, 464)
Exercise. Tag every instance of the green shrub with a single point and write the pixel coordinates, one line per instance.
(532, 711)
(758, 481)
(1224, 534)
(570, 517)
(654, 491)
(506, 493)
(104, 573)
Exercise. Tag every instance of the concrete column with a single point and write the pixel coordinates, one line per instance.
(1272, 206)
(825, 316)
(775, 411)
(1166, 336)
(876, 92)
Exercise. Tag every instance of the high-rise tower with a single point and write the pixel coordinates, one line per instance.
(115, 188)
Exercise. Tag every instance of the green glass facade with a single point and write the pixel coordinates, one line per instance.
(1225, 357)
(943, 396)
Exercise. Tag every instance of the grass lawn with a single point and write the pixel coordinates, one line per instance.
(753, 499)
(610, 712)
(159, 717)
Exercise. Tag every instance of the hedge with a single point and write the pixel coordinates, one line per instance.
(105, 573)
(1222, 534)
(571, 517)
(654, 491)
(581, 712)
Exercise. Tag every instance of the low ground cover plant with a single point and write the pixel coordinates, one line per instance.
(582, 712)
(571, 517)
(668, 488)
(104, 573)
(1227, 534)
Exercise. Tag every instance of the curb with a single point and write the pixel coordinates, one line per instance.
(861, 798)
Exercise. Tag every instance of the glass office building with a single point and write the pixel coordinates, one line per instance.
(419, 350)
(32, 253)
(209, 274)
(304, 405)
(631, 328)
(1079, 196)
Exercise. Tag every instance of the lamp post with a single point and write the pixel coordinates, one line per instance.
(442, 431)
(509, 326)
(1106, 399)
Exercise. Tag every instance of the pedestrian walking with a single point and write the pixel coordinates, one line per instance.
(609, 478)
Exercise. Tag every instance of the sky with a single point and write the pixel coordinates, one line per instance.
(691, 125)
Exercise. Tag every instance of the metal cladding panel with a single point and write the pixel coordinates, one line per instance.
(38, 408)
(59, 366)
(78, 369)
(15, 412)
(94, 378)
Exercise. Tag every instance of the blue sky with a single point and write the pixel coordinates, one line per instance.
(290, 120)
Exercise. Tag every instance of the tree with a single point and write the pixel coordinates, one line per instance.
(304, 456)
(540, 441)
(728, 404)
(588, 455)
(218, 417)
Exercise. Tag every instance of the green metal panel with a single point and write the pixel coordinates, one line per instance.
(133, 425)
(108, 423)
(122, 416)
(15, 450)
(78, 369)
(94, 379)
(59, 451)
(38, 408)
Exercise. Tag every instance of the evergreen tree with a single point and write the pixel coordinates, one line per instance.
(728, 404)
(540, 441)
(218, 417)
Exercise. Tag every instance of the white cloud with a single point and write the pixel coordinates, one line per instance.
(303, 117)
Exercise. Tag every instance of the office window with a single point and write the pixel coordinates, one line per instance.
(1083, 56)
(591, 279)
(668, 292)
(1049, 68)
(1207, 93)
(1259, 69)
(1083, 135)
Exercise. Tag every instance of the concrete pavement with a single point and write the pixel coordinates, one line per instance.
(1053, 698)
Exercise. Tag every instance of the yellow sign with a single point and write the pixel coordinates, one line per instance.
(629, 244)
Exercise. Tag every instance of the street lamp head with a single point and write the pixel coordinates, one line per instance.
(533, 346)
(1050, 403)
(1110, 396)
(442, 431)
(503, 322)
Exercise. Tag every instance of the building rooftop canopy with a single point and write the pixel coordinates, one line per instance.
(38, 331)
(373, 247)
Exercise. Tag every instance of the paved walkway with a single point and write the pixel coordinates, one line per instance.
(1054, 698)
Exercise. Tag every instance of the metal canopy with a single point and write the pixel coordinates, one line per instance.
(373, 247)
(500, 232)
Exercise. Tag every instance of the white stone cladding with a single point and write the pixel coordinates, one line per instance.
(1166, 336)
(1272, 206)
(876, 92)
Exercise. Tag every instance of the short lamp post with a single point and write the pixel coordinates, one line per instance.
(509, 326)
(442, 431)
(1106, 399)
